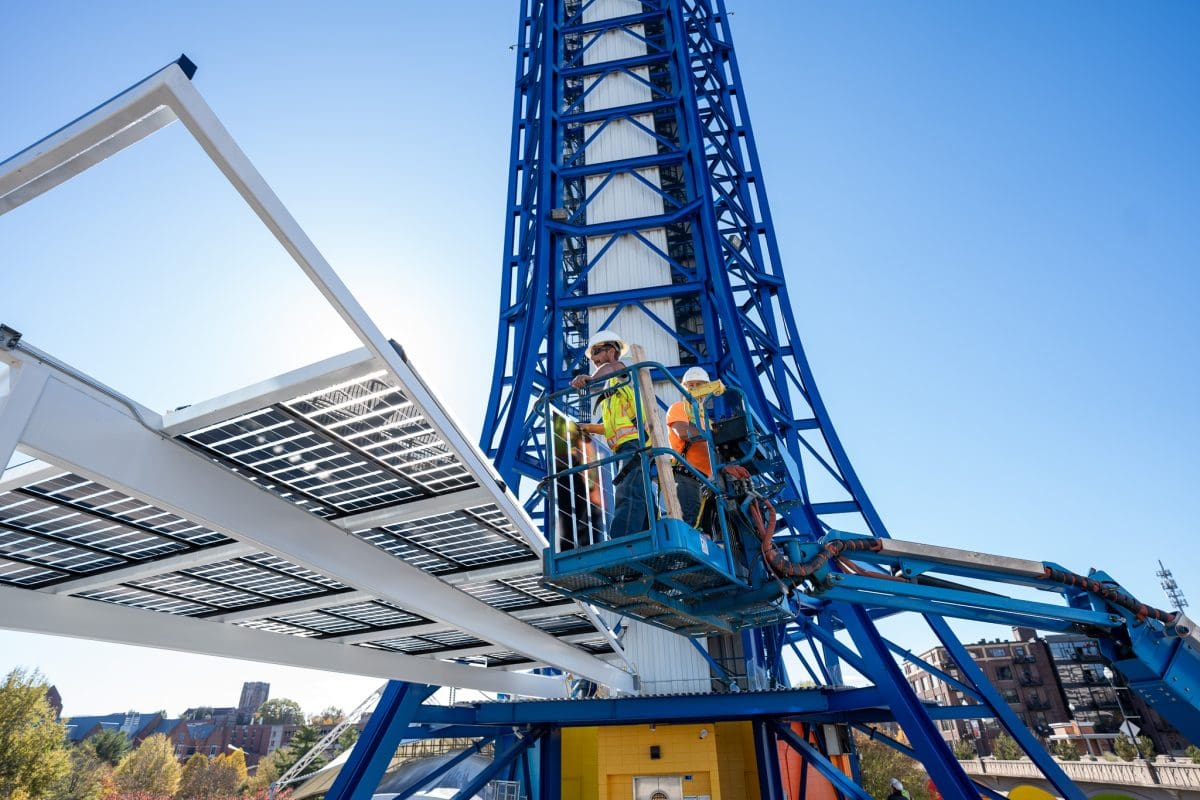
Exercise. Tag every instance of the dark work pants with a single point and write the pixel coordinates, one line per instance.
(629, 496)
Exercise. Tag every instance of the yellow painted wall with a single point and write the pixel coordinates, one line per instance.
(601, 763)
(580, 774)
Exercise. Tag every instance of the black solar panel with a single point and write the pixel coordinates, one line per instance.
(358, 446)
(460, 538)
(92, 497)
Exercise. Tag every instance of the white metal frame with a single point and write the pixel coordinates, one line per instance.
(65, 421)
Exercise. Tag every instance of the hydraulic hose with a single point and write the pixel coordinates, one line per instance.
(764, 518)
(1112, 594)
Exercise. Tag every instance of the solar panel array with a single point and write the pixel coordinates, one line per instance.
(354, 447)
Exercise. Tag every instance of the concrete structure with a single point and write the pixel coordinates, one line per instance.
(1159, 779)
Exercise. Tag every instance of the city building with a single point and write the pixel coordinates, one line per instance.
(1022, 671)
(254, 694)
(1060, 686)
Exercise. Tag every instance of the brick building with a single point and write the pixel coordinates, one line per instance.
(1046, 682)
(1021, 670)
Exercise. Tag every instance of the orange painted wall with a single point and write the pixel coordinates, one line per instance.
(818, 787)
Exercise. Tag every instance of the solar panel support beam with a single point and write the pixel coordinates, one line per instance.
(73, 425)
(26, 382)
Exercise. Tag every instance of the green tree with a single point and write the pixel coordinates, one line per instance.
(150, 769)
(280, 711)
(33, 751)
(346, 739)
(305, 738)
(192, 783)
(1145, 746)
(1193, 753)
(1005, 748)
(964, 749)
(1124, 747)
(86, 779)
(1065, 749)
(880, 763)
(111, 745)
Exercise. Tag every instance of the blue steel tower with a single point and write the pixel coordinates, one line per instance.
(636, 201)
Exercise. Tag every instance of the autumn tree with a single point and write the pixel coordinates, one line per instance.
(330, 715)
(267, 772)
(228, 773)
(192, 778)
(280, 711)
(111, 745)
(87, 777)
(33, 751)
(150, 769)
(879, 763)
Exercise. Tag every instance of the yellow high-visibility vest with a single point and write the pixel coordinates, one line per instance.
(618, 413)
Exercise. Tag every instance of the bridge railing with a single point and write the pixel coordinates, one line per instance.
(1139, 772)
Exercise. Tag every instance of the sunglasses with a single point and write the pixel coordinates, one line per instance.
(601, 348)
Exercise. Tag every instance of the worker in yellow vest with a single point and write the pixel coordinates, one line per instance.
(617, 406)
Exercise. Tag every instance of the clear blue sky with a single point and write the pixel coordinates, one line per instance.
(988, 214)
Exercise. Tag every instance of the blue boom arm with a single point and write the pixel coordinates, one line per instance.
(1157, 652)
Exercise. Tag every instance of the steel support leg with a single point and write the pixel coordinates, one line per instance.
(935, 755)
(549, 766)
(502, 761)
(766, 754)
(1032, 747)
(821, 763)
(444, 768)
(369, 759)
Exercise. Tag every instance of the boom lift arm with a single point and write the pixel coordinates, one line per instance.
(1156, 651)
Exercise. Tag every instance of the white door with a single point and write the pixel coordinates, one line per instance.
(658, 787)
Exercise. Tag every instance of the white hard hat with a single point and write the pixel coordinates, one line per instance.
(694, 374)
(607, 335)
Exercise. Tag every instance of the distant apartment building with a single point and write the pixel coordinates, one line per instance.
(1097, 696)
(1022, 671)
(1046, 682)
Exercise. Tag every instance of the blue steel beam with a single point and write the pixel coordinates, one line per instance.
(1003, 714)
(549, 765)
(766, 759)
(821, 763)
(373, 751)
(502, 760)
(900, 747)
(631, 710)
(446, 767)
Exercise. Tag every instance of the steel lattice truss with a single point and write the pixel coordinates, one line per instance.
(333, 517)
(636, 201)
(721, 294)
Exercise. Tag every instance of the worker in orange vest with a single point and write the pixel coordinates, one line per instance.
(685, 429)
